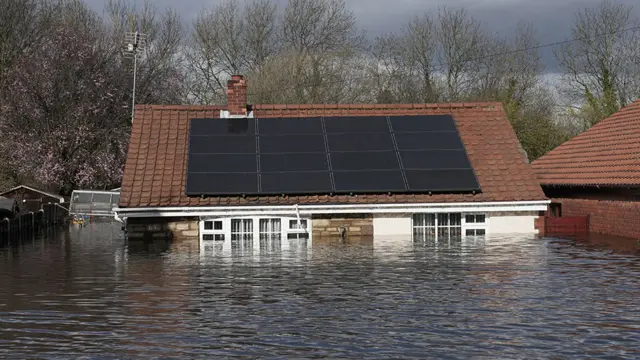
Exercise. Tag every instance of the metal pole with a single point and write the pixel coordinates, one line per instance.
(135, 67)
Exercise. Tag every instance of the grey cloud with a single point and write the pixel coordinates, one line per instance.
(552, 18)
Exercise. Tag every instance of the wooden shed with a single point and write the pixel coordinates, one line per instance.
(8, 208)
(31, 199)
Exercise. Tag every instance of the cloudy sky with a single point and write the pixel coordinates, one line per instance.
(552, 18)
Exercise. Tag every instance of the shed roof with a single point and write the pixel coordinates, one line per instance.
(7, 204)
(34, 190)
(155, 170)
(608, 154)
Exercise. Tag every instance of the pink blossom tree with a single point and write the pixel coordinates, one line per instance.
(64, 118)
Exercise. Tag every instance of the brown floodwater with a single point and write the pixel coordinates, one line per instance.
(87, 293)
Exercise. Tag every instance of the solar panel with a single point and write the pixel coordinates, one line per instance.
(324, 155)
(280, 126)
(296, 182)
(356, 124)
(291, 143)
(369, 181)
(371, 160)
(211, 144)
(222, 184)
(442, 180)
(294, 162)
(360, 142)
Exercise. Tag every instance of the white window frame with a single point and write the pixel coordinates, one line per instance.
(475, 225)
(464, 226)
(285, 228)
(270, 233)
(215, 232)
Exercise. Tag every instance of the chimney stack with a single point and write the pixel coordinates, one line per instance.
(237, 95)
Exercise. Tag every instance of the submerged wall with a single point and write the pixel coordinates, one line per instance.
(610, 217)
(521, 222)
(355, 225)
(177, 229)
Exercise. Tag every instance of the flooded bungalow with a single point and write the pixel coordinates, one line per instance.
(285, 172)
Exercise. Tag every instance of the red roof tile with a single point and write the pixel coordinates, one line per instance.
(606, 154)
(155, 170)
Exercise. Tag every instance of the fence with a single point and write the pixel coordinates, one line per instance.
(567, 225)
(32, 224)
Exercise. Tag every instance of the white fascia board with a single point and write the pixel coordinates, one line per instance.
(333, 209)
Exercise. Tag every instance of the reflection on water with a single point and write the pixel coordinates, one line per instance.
(88, 293)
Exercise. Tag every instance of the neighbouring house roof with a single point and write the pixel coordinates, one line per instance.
(608, 154)
(34, 190)
(155, 170)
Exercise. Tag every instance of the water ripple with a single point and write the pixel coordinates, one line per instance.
(89, 295)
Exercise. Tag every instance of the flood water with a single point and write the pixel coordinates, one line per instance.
(89, 294)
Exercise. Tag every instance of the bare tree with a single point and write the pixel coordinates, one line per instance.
(229, 40)
(403, 64)
(461, 41)
(600, 67)
(159, 78)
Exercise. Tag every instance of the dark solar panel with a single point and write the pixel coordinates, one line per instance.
(371, 160)
(442, 180)
(360, 142)
(222, 184)
(294, 162)
(422, 123)
(398, 154)
(296, 182)
(211, 144)
(369, 181)
(356, 124)
(280, 126)
(291, 143)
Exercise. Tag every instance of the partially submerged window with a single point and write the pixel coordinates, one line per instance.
(242, 229)
(250, 228)
(270, 229)
(447, 226)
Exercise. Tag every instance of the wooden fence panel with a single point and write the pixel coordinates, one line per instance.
(29, 225)
(569, 225)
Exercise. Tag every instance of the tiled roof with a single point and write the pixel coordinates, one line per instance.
(608, 154)
(155, 171)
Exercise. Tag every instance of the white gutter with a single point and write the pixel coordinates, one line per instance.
(333, 209)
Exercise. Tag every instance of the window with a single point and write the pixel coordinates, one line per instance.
(475, 232)
(293, 224)
(437, 226)
(475, 219)
(241, 229)
(213, 225)
(266, 230)
(424, 226)
(298, 236)
(270, 229)
(449, 226)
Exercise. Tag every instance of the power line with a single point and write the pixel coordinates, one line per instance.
(444, 64)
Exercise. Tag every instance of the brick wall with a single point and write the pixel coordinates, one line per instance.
(329, 226)
(179, 229)
(538, 223)
(620, 218)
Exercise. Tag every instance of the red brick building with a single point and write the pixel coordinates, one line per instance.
(597, 173)
(156, 204)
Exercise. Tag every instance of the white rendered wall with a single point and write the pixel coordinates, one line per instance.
(390, 226)
(512, 224)
(399, 226)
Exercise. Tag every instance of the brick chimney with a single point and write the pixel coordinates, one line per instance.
(237, 95)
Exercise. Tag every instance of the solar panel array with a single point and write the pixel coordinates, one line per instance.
(327, 155)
